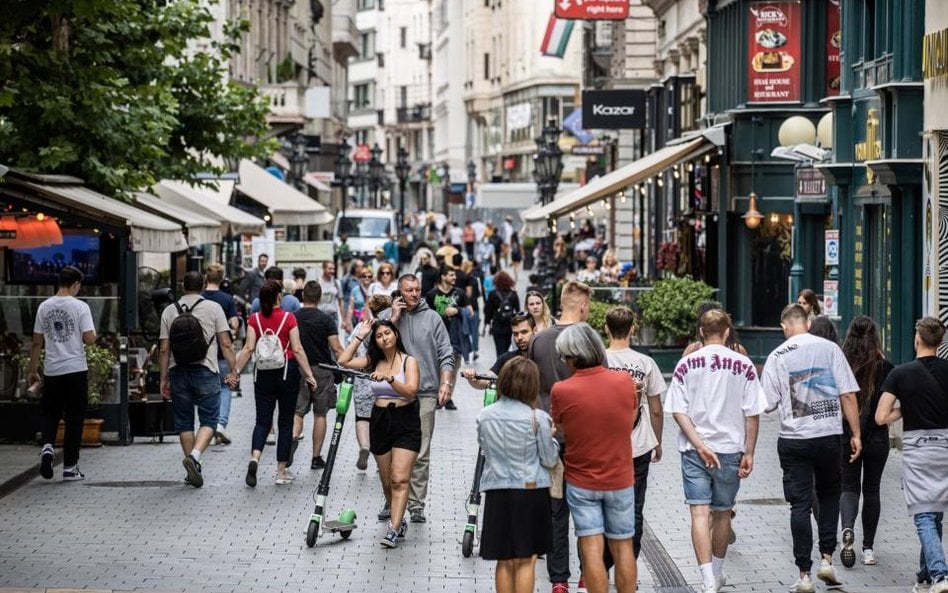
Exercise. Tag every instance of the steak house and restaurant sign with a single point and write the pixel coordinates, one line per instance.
(774, 57)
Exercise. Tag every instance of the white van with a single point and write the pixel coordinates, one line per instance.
(366, 229)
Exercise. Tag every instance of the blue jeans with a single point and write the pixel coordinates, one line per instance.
(716, 487)
(194, 385)
(224, 415)
(932, 565)
(472, 329)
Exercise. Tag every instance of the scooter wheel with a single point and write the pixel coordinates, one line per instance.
(467, 544)
(345, 534)
(311, 533)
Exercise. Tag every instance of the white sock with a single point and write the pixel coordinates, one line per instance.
(717, 565)
(70, 468)
(707, 574)
(196, 454)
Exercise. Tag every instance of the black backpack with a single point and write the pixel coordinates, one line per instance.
(186, 335)
(505, 313)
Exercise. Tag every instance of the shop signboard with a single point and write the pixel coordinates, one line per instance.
(617, 10)
(811, 185)
(774, 52)
(614, 109)
(831, 298)
(831, 243)
(834, 40)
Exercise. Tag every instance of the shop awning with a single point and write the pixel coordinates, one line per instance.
(286, 205)
(520, 196)
(147, 232)
(536, 218)
(233, 221)
(319, 181)
(201, 229)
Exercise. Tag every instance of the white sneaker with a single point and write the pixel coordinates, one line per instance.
(827, 574)
(720, 580)
(868, 557)
(940, 586)
(803, 585)
(222, 437)
(921, 587)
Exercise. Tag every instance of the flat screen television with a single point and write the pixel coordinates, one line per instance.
(80, 248)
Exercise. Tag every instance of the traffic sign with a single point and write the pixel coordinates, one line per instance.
(613, 10)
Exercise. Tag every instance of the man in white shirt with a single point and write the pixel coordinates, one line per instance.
(331, 303)
(716, 400)
(647, 434)
(64, 326)
(808, 380)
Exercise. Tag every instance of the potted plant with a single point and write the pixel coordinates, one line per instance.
(669, 309)
(101, 363)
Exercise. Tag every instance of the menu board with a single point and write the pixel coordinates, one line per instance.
(774, 65)
(834, 39)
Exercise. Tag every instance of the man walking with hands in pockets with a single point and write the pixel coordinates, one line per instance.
(716, 400)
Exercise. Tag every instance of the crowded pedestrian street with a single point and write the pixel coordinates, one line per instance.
(133, 525)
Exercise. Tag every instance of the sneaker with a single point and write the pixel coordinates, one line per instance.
(251, 479)
(449, 405)
(363, 461)
(403, 529)
(847, 555)
(193, 467)
(921, 587)
(385, 514)
(868, 557)
(560, 588)
(719, 581)
(418, 516)
(939, 586)
(222, 437)
(391, 539)
(294, 444)
(72, 474)
(284, 479)
(827, 574)
(581, 586)
(46, 462)
(317, 463)
(803, 585)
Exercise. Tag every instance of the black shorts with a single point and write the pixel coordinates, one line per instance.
(395, 427)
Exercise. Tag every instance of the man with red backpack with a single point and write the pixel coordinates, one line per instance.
(191, 329)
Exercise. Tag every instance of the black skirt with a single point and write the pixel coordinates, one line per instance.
(517, 524)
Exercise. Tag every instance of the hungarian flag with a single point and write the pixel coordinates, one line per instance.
(556, 37)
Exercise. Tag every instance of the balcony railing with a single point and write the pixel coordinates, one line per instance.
(286, 99)
(415, 113)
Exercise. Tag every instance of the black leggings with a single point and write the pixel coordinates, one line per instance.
(869, 467)
(271, 390)
(502, 339)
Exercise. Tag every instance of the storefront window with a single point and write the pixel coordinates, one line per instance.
(771, 256)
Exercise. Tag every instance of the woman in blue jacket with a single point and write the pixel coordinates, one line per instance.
(517, 441)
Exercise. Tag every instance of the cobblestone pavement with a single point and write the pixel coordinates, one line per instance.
(134, 525)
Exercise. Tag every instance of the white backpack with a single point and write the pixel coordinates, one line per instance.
(269, 352)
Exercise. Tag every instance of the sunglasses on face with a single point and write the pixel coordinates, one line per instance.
(369, 276)
(385, 273)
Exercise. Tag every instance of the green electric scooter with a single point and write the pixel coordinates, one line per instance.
(346, 521)
(474, 500)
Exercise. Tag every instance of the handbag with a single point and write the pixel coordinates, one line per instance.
(556, 472)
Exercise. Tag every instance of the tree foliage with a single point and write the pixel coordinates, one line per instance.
(109, 91)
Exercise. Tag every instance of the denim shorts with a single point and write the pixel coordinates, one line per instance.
(716, 487)
(609, 512)
(194, 385)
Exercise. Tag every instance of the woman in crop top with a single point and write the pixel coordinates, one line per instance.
(395, 427)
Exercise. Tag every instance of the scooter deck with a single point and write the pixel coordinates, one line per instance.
(334, 526)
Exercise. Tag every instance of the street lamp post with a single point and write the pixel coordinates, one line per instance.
(298, 159)
(361, 180)
(342, 171)
(547, 170)
(402, 169)
(376, 173)
(444, 171)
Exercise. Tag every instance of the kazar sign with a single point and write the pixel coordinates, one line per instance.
(592, 9)
(614, 110)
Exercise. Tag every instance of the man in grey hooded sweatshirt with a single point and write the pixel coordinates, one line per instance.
(425, 337)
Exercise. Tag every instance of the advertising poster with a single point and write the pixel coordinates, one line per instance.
(834, 40)
(831, 298)
(774, 57)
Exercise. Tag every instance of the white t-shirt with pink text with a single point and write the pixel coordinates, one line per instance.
(717, 388)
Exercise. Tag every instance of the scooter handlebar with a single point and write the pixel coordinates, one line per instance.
(343, 370)
(481, 377)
